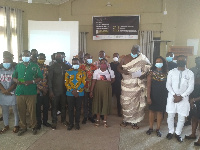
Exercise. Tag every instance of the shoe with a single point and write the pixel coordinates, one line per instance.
(6, 128)
(196, 144)
(91, 119)
(124, 124)
(187, 123)
(21, 132)
(53, 126)
(105, 124)
(190, 137)
(16, 129)
(169, 136)
(77, 126)
(159, 134)
(65, 123)
(47, 124)
(34, 131)
(149, 131)
(179, 138)
(58, 113)
(1, 118)
(70, 127)
(84, 120)
(135, 126)
(38, 127)
(97, 123)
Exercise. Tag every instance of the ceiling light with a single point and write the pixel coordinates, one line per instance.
(108, 4)
(29, 1)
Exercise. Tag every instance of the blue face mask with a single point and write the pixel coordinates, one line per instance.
(134, 56)
(100, 58)
(75, 66)
(169, 59)
(89, 61)
(6, 65)
(159, 65)
(26, 59)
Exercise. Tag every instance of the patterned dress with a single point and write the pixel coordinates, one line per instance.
(134, 90)
(158, 91)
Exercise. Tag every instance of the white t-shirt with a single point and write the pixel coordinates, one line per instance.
(105, 76)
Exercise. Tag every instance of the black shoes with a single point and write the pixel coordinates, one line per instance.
(53, 126)
(47, 124)
(84, 120)
(21, 132)
(149, 131)
(179, 138)
(159, 134)
(70, 127)
(169, 136)
(38, 127)
(91, 119)
(77, 127)
(34, 131)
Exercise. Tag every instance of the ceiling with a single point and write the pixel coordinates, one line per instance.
(54, 2)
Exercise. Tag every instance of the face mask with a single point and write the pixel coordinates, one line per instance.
(41, 61)
(89, 61)
(26, 59)
(58, 60)
(115, 59)
(75, 66)
(181, 63)
(100, 58)
(169, 59)
(6, 65)
(134, 56)
(159, 65)
(103, 66)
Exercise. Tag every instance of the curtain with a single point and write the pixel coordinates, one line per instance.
(146, 44)
(11, 31)
(83, 42)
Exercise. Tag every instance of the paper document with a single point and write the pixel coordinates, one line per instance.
(136, 74)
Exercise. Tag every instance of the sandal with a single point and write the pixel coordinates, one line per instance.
(97, 123)
(149, 131)
(6, 128)
(105, 124)
(135, 126)
(124, 124)
(159, 134)
(16, 129)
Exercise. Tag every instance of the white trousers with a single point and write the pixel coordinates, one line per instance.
(180, 124)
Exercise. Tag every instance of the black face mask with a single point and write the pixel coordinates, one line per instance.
(58, 60)
(181, 63)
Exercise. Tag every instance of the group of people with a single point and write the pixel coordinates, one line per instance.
(165, 85)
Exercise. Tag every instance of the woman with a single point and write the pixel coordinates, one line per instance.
(157, 93)
(7, 97)
(101, 86)
(195, 111)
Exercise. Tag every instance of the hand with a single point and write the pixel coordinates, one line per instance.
(91, 94)
(125, 72)
(177, 98)
(51, 95)
(5, 92)
(20, 83)
(75, 93)
(26, 83)
(149, 101)
(192, 102)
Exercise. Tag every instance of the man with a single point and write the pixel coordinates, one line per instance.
(180, 84)
(74, 82)
(102, 55)
(89, 69)
(196, 71)
(81, 57)
(27, 75)
(133, 68)
(52, 59)
(56, 85)
(42, 94)
(34, 55)
(116, 86)
(170, 63)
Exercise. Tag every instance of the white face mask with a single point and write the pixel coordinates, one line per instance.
(115, 58)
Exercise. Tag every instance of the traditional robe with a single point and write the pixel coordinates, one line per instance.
(134, 90)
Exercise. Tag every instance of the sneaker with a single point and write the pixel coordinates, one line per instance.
(21, 132)
(84, 120)
(169, 136)
(91, 119)
(53, 126)
(34, 131)
(70, 127)
(179, 138)
(47, 124)
(77, 127)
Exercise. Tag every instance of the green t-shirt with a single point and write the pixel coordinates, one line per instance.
(27, 73)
